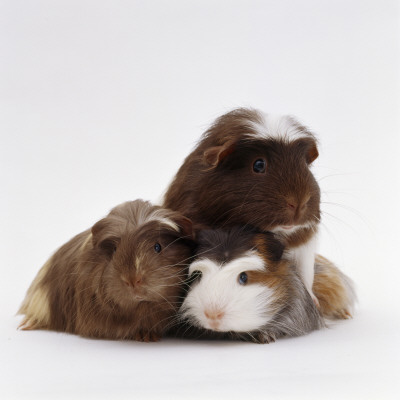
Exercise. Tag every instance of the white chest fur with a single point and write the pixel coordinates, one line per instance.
(304, 260)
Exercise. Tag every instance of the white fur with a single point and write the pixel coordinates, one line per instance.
(283, 231)
(36, 304)
(156, 215)
(278, 126)
(168, 222)
(244, 307)
(38, 309)
(304, 258)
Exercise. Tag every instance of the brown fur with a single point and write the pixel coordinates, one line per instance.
(109, 282)
(333, 289)
(216, 186)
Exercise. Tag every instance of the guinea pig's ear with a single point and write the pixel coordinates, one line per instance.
(185, 226)
(270, 246)
(309, 147)
(214, 155)
(312, 153)
(106, 235)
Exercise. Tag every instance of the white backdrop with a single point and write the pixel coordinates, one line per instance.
(100, 101)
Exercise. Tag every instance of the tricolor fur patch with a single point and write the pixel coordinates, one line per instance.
(242, 307)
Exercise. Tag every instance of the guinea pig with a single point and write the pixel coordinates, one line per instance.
(243, 288)
(121, 279)
(251, 168)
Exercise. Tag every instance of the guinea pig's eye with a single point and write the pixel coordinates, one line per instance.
(242, 278)
(157, 247)
(260, 165)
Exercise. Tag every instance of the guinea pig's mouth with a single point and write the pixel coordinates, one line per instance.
(140, 297)
(286, 228)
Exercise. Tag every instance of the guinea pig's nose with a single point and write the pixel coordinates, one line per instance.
(214, 314)
(297, 207)
(133, 282)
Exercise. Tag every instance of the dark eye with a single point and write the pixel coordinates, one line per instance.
(259, 166)
(242, 278)
(157, 247)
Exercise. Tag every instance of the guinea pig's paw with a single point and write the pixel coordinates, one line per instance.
(147, 336)
(315, 300)
(267, 338)
(342, 314)
(261, 337)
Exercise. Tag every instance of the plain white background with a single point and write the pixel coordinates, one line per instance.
(100, 101)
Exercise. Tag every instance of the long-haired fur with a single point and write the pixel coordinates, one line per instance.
(122, 279)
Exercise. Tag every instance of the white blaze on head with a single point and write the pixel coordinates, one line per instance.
(219, 302)
(279, 126)
(159, 215)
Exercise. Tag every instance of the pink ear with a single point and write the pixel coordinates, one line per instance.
(312, 153)
(214, 155)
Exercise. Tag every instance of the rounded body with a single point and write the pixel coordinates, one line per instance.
(122, 279)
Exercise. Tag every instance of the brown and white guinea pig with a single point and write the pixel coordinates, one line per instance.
(251, 168)
(122, 279)
(243, 288)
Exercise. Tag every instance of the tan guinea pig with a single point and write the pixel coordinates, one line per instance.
(122, 279)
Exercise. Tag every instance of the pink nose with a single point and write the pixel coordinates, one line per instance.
(133, 282)
(214, 314)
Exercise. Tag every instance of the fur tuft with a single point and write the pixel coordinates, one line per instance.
(334, 290)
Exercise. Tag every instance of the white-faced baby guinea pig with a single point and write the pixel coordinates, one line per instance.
(242, 288)
(250, 168)
(121, 279)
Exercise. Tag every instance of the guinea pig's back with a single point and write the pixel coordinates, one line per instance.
(50, 302)
(334, 290)
(298, 315)
(53, 286)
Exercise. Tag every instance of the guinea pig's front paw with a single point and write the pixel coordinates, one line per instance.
(315, 300)
(342, 314)
(146, 336)
(261, 337)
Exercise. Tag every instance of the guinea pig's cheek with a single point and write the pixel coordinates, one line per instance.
(192, 308)
(203, 306)
(249, 309)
